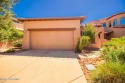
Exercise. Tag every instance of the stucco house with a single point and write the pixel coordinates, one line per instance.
(18, 24)
(51, 33)
(63, 33)
(110, 27)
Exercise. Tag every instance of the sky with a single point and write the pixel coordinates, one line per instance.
(92, 9)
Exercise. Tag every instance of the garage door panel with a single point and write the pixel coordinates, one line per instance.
(52, 40)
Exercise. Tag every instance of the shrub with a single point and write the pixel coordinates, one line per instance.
(123, 38)
(114, 50)
(115, 42)
(89, 30)
(83, 41)
(17, 43)
(10, 50)
(77, 47)
(114, 53)
(109, 72)
(112, 71)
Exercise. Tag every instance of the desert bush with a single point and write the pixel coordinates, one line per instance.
(122, 38)
(109, 72)
(114, 50)
(115, 42)
(112, 71)
(17, 43)
(77, 47)
(11, 50)
(82, 42)
(114, 54)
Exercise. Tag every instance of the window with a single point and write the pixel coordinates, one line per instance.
(104, 25)
(110, 24)
(122, 21)
(115, 23)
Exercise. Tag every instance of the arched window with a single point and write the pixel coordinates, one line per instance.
(115, 23)
(122, 21)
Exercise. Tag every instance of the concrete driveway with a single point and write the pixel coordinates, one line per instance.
(36, 66)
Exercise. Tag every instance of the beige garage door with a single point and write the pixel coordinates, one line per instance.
(52, 40)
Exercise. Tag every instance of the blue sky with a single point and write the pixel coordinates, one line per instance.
(92, 9)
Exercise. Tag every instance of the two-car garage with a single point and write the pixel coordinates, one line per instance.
(52, 40)
(51, 33)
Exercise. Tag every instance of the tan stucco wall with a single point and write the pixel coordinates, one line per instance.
(118, 30)
(98, 41)
(114, 17)
(50, 24)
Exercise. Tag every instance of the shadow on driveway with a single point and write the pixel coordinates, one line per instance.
(47, 53)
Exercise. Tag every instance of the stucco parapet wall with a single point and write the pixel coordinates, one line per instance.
(81, 18)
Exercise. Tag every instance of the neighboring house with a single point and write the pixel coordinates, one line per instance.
(18, 24)
(110, 27)
(51, 33)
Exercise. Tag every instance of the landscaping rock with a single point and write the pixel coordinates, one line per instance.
(91, 61)
(90, 67)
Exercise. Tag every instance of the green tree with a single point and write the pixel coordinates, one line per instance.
(7, 31)
(89, 30)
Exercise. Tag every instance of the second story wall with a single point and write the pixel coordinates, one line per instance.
(115, 18)
(116, 23)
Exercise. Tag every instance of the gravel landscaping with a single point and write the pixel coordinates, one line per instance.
(89, 57)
